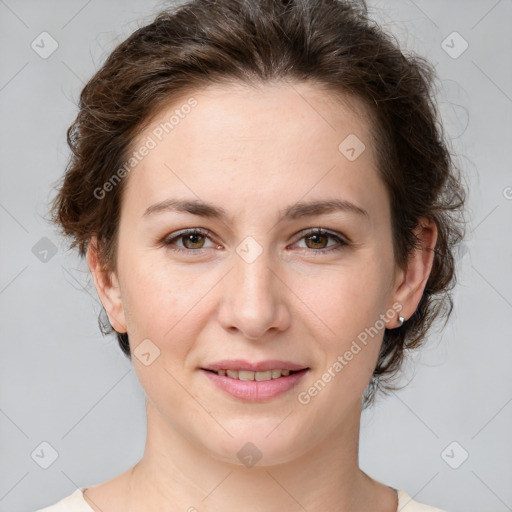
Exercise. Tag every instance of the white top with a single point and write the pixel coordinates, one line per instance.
(76, 503)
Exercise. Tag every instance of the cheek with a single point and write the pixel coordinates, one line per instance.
(159, 306)
(345, 300)
(349, 336)
(158, 300)
(345, 308)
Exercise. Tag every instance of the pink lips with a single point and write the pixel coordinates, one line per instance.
(255, 391)
(262, 366)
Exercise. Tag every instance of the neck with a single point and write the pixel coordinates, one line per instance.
(176, 472)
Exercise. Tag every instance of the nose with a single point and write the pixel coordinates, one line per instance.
(255, 298)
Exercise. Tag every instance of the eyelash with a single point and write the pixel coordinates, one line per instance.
(168, 242)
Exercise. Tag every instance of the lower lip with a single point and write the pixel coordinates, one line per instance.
(255, 391)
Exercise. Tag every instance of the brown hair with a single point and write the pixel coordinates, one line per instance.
(333, 44)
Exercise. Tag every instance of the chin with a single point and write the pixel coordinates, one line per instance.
(258, 443)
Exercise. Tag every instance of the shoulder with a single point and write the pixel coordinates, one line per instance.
(73, 503)
(407, 504)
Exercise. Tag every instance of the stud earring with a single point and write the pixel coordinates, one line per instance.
(401, 321)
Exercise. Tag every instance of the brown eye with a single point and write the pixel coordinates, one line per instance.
(190, 240)
(193, 240)
(318, 241)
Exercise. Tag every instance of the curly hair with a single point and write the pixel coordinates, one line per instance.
(331, 43)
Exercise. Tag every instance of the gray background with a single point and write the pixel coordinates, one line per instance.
(64, 384)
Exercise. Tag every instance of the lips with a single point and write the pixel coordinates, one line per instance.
(250, 375)
(255, 382)
(261, 366)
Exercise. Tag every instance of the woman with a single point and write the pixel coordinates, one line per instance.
(269, 212)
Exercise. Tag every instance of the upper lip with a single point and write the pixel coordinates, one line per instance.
(260, 366)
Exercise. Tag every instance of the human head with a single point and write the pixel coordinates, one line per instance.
(331, 44)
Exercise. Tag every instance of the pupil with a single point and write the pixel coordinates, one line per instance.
(315, 239)
(193, 238)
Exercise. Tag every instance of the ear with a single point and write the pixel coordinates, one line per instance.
(107, 286)
(410, 283)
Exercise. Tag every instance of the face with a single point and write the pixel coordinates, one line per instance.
(252, 284)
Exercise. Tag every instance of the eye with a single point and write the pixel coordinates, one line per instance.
(316, 240)
(193, 240)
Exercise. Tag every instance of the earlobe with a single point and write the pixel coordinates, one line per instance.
(413, 279)
(107, 287)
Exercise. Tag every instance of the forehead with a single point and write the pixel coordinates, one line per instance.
(280, 139)
(260, 111)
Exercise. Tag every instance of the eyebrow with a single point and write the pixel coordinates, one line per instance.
(293, 212)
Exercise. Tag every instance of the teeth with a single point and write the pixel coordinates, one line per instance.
(263, 375)
(245, 375)
(258, 376)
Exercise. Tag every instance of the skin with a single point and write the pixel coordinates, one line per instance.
(254, 152)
